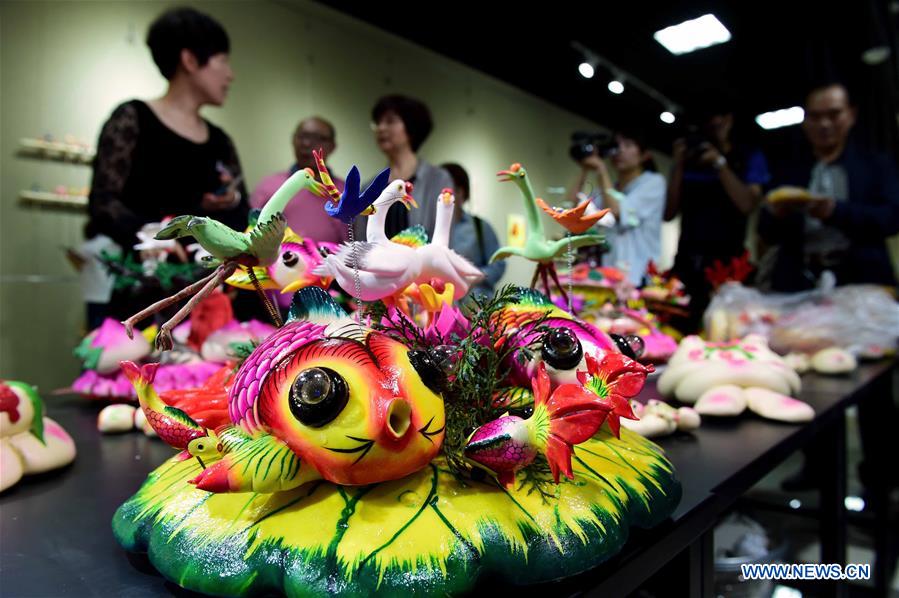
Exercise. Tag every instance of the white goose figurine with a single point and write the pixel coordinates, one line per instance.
(441, 262)
(385, 268)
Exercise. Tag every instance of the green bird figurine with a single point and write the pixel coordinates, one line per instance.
(230, 249)
(537, 247)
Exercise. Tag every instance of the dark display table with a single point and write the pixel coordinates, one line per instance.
(56, 540)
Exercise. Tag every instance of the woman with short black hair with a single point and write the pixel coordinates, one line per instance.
(402, 124)
(160, 158)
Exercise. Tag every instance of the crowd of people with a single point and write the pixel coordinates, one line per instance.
(715, 184)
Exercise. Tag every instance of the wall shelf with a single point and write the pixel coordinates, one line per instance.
(57, 151)
(54, 200)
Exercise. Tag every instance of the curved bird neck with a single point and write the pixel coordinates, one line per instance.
(286, 192)
(535, 223)
(443, 223)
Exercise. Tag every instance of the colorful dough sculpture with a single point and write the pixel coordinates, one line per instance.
(724, 379)
(29, 442)
(382, 455)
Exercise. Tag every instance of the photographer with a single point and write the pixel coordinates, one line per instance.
(714, 185)
(636, 200)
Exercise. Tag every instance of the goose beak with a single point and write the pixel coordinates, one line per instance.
(510, 174)
(409, 201)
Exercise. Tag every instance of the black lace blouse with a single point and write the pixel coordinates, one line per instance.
(144, 171)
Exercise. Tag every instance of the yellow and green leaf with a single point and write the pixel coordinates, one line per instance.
(429, 532)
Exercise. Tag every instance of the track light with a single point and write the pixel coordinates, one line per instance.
(616, 86)
(667, 117)
(586, 69)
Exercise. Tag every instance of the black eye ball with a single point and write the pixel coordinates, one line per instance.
(289, 259)
(631, 345)
(317, 396)
(561, 349)
(199, 447)
(431, 374)
(445, 357)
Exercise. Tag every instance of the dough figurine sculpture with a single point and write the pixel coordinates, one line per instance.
(724, 379)
(292, 270)
(377, 457)
(29, 442)
(537, 247)
(230, 249)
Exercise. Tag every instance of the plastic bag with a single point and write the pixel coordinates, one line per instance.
(863, 319)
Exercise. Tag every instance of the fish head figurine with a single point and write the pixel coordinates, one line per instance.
(353, 406)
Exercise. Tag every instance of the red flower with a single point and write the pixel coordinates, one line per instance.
(615, 379)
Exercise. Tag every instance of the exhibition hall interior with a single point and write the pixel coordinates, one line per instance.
(335, 298)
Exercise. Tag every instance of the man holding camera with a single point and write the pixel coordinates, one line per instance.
(714, 186)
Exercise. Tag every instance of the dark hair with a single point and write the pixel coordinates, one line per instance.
(323, 121)
(185, 29)
(823, 83)
(415, 116)
(459, 176)
(639, 138)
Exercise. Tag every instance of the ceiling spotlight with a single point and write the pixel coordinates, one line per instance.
(616, 86)
(667, 117)
(692, 35)
(780, 118)
(586, 70)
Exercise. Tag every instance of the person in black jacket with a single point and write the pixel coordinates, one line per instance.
(842, 229)
(854, 206)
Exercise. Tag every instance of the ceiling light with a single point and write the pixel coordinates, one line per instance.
(692, 35)
(876, 55)
(586, 70)
(616, 86)
(854, 503)
(667, 117)
(780, 118)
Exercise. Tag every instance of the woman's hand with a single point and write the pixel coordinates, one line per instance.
(593, 162)
(215, 203)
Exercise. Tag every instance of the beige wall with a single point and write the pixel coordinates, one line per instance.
(65, 65)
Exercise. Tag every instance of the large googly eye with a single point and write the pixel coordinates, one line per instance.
(631, 345)
(561, 349)
(445, 357)
(428, 370)
(317, 396)
(289, 259)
